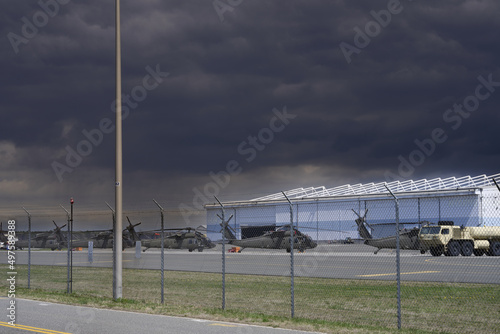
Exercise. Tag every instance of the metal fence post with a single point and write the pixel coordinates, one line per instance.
(69, 288)
(223, 255)
(398, 259)
(162, 268)
(71, 245)
(114, 255)
(496, 184)
(292, 266)
(29, 247)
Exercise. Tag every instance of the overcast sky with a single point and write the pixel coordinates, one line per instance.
(242, 98)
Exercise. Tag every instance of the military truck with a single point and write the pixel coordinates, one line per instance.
(451, 240)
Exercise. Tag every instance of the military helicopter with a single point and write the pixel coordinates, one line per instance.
(185, 238)
(43, 239)
(102, 239)
(4, 241)
(408, 239)
(278, 239)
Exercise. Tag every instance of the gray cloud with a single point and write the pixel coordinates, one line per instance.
(353, 119)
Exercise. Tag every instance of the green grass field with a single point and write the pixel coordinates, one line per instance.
(326, 305)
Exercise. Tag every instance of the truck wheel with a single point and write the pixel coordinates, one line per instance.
(495, 248)
(454, 248)
(467, 248)
(435, 251)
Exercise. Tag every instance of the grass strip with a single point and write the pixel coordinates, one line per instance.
(325, 305)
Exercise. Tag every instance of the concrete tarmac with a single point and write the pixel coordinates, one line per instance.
(355, 261)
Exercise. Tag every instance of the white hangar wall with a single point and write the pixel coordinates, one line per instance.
(490, 207)
(332, 217)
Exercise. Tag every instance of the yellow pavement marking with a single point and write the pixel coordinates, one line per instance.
(410, 273)
(224, 325)
(31, 329)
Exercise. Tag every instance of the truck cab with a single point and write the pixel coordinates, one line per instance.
(436, 238)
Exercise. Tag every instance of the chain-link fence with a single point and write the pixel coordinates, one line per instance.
(312, 260)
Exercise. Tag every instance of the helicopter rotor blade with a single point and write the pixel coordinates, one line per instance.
(57, 229)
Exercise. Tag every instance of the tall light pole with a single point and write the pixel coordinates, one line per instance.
(117, 238)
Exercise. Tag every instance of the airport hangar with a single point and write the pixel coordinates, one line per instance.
(327, 214)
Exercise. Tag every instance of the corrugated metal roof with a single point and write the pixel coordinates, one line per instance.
(395, 186)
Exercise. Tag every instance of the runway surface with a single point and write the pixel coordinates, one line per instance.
(327, 261)
(43, 317)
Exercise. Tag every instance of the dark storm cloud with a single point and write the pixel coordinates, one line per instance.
(354, 120)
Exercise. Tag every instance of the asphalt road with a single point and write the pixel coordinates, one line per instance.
(43, 317)
(329, 261)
